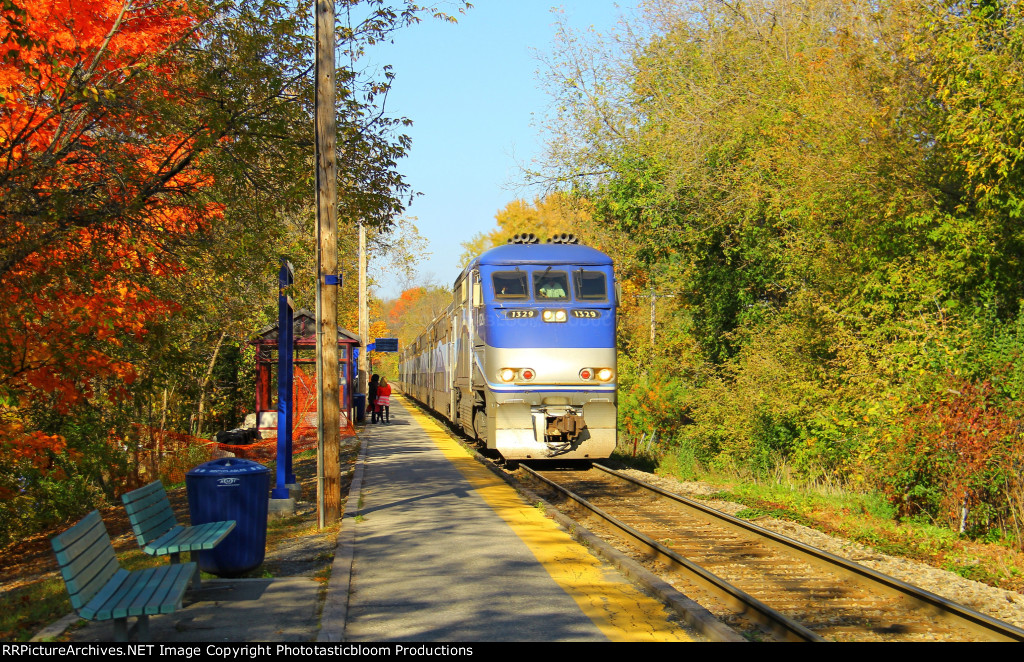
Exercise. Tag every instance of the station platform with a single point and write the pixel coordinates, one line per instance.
(439, 549)
(433, 547)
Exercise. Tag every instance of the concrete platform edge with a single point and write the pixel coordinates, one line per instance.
(61, 625)
(335, 609)
(693, 613)
(57, 628)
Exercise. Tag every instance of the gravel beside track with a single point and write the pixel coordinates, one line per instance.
(998, 603)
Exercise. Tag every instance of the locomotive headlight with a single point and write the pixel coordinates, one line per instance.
(605, 374)
(555, 316)
(507, 374)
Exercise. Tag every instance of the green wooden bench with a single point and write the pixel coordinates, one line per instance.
(158, 531)
(101, 590)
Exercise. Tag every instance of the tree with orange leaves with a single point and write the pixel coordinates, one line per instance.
(414, 309)
(148, 152)
(95, 186)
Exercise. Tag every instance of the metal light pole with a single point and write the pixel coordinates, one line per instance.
(285, 388)
(364, 322)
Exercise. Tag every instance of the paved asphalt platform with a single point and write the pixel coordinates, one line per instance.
(443, 550)
(433, 547)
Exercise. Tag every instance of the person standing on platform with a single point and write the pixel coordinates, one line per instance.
(371, 397)
(384, 401)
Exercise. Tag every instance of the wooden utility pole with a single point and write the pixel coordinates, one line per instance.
(327, 284)
(654, 316)
(364, 322)
(654, 310)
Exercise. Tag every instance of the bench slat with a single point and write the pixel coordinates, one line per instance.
(143, 493)
(150, 512)
(79, 537)
(83, 585)
(151, 591)
(191, 539)
(165, 544)
(217, 532)
(82, 556)
(157, 530)
(158, 510)
(97, 609)
(101, 590)
(86, 558)
(164, 597)
(133, 603)
(116, 606)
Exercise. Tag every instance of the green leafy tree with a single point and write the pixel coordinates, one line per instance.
(552, 214)
(830, 193)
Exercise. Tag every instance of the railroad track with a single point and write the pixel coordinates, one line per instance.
(763, 584)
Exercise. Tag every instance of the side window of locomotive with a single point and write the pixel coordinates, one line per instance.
(510, 285)
(550, 285)
(590, 286)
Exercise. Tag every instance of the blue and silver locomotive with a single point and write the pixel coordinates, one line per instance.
(524, 358)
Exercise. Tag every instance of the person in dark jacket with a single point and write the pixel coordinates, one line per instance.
(371, 398)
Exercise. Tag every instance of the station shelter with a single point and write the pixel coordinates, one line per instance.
(305, 415)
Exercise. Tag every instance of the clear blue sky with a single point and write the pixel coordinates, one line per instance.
(472, 92)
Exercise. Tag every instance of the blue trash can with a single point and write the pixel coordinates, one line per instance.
(231, 488)
(359, 400)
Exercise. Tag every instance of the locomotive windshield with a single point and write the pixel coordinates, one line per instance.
(510, 285)
(590, 286)
(550, 285)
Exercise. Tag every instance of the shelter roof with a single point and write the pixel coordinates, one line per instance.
(304, 328)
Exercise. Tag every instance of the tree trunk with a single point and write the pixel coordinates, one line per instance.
(163, 426)
(206, 380)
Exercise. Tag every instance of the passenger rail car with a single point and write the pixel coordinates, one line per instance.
(524, 358)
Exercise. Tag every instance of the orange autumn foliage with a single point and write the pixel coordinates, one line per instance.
(404, 304)
(93, 188)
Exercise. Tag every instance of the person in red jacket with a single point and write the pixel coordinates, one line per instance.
(384, 401)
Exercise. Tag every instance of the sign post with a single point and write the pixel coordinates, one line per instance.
(285, 378)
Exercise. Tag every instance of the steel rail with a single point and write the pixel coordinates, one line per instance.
(939, 606)
(750, 607)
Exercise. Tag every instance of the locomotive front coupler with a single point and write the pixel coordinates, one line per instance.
(565, 427)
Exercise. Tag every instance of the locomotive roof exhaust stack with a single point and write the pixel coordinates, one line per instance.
(530, 238)
(524, 238)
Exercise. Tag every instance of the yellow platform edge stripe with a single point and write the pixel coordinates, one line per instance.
(618, 609)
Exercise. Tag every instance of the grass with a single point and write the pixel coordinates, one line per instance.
(27, 609)
(30, 603)
(778, 513)
(323, 578)
(854, 514)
